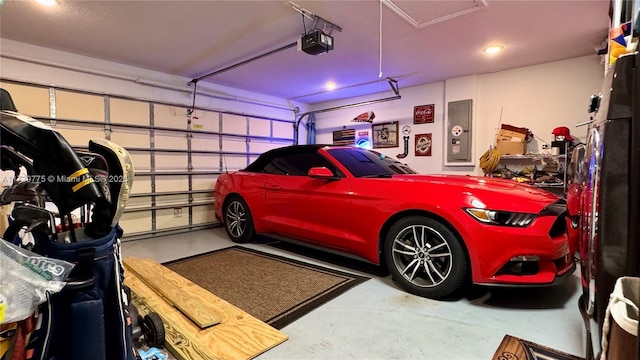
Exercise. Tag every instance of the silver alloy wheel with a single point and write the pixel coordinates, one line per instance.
(422, 256)
(236, 218)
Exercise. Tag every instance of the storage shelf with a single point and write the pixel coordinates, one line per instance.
(549, 185)
(532, 157)
(559, 163)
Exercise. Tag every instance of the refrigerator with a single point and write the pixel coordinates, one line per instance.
(609, 243)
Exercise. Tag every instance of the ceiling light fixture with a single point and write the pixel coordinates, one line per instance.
(330, 85)
(48, 2)
(493, 49)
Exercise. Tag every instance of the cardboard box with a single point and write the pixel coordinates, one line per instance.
(511, 147)
(508, 135)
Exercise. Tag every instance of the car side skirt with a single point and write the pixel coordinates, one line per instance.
(317, 247)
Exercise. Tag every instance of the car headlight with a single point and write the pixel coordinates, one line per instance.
(504, 218)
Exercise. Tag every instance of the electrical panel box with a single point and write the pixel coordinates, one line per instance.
(458, 136)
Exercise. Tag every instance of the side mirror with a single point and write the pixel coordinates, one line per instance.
(321, 172)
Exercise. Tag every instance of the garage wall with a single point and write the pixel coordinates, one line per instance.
(539, 97)
(177, 156)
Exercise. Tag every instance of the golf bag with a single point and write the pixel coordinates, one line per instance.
(89, 318)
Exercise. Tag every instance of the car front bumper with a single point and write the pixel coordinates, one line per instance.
(536, 255)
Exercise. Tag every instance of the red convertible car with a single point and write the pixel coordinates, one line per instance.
(433, 232)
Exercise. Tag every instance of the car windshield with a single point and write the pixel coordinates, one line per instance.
(369, 163)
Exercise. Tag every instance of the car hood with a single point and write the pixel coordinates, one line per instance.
(494, 193)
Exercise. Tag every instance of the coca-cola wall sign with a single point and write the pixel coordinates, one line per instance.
(423, 114)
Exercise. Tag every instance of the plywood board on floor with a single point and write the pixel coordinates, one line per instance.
(238, 336)
(178, 341)
(174, 289)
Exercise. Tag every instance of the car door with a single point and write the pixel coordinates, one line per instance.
(305, 208)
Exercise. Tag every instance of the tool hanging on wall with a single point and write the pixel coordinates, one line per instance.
(406, 130)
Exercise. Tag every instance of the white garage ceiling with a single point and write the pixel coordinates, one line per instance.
(195, 38)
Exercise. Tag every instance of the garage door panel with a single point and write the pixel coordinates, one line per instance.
(29, 100)
(205, 162)
(165, 218)
(85, 107)
(282, 130)
(141, 184)
(259, 127)
(234, 124)
(138, 202)
(204, 197)
(129, 112)
(234, 144)
(177, 200)
(204, 182)
(173, 141)
(141, 161)
(203, 214)
(171, 161)
(205, 121)
(170, 116)
(205, 142)
(138, 139)
(134, 222)
(171, 183)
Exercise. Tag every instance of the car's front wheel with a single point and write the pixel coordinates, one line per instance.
(425, 257)
(237, 220)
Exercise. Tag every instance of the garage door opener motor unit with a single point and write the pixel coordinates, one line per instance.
(315, 42)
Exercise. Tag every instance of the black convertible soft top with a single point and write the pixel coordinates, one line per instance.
(267, 156)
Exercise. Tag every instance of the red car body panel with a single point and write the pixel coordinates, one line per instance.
(574, 196)
(351, 214)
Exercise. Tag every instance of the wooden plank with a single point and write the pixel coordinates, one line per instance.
(238, 336)
(178, 337)
(173, 288)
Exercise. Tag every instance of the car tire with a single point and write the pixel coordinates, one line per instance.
(433, 266)
(237, 220)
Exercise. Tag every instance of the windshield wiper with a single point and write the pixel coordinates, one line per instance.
(386, 176)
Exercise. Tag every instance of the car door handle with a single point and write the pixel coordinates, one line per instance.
(272, 187)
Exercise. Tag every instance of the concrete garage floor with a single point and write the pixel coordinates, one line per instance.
(376, 320)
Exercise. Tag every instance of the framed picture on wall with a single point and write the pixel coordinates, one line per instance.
(423, 114)
(423, 144)
(385, 135)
